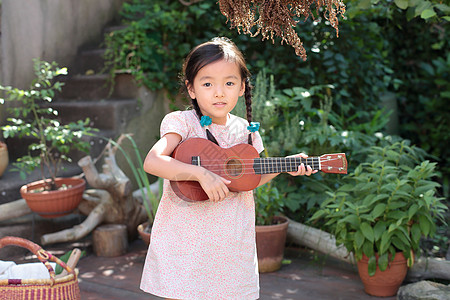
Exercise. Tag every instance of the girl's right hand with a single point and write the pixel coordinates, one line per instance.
(214, 185)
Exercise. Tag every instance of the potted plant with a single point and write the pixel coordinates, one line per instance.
(271, 227)
(150, 198)
(33, 117)
(381, 213)
(151, 202)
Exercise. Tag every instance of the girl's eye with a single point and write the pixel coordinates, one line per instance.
(230, 83)
(207, 84)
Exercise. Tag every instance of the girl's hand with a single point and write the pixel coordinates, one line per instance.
(302, 170)
(214, 186)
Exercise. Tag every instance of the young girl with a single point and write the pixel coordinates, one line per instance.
(206, 249)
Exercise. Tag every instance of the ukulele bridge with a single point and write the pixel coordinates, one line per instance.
(195, 160)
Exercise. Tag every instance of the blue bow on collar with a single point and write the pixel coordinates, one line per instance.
(205, 121)
(254, 126)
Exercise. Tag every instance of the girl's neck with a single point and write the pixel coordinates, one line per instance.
(221, 121)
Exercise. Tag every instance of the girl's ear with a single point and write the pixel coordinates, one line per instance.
(190, 89)
(242, 90)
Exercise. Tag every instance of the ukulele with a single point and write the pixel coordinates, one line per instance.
(242, 165)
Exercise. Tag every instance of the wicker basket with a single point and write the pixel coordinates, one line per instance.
(65, 288)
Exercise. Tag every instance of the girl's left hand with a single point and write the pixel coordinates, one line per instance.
(302, 170)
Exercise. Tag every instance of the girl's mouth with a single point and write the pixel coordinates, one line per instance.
(220, 104)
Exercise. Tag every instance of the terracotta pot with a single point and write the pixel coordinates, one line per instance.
(4, 160)
(143, 232)
(51, 204)
(270, 242)
(384, 283)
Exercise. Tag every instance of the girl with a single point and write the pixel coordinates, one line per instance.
(206, 249)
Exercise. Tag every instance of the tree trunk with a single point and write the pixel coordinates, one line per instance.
(423, 268)
(14, 209)
(111, 201)
(110, 240)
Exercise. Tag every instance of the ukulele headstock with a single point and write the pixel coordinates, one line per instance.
(333, 163)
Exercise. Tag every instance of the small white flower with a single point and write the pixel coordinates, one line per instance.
(379, 135)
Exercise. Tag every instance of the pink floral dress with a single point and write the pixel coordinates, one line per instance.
(204, 250)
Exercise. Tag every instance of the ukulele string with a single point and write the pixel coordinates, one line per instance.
(217, 169)
(274, 160)
(214, 162)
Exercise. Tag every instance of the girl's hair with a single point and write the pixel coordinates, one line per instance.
(214, 50)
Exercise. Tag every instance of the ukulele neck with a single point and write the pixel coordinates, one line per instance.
(284, 164)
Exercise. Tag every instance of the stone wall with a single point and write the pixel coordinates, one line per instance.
(52, 30)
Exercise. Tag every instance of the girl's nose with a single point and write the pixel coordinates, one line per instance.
(219, 93)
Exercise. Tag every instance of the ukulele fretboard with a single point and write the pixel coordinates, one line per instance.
(284, 164)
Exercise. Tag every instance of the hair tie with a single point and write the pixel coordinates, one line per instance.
(205, 121)
(254, 126)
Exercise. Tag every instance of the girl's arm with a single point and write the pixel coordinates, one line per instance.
(302, 170)
(159, 163)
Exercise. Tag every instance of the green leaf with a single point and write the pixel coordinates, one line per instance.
(424, 225)
(428, 13)
(372, 265)
(367, 231)
(359, 239)
(383, 261)
(364, 4)
(378, 230)
(385, 241)
(351, 219)
(412, 210)
(378, 210)
(368, 249)
(403, 4)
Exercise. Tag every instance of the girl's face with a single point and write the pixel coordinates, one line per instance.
(217, 87)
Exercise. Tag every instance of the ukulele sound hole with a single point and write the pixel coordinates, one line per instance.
(233, 168)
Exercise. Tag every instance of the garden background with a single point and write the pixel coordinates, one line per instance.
(384, 79)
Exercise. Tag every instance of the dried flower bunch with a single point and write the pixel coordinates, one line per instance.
(278, 17)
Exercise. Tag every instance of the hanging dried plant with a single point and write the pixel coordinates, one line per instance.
(278, 17)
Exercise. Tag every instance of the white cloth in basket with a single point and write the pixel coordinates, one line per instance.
(10, 270)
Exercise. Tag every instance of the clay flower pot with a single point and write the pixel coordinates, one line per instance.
(384, 283)
(4, 160)
(144, 232)
(51, 204)
(270, 243)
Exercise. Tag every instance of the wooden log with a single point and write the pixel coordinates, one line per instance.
(110, 240)
(429, 268)
(77, 232)
(317, 239)
(14, 209)
(324, 242)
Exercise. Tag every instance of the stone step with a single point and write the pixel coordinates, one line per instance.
(89, 61)
(18, 147)
(98, 87)
(110, 114)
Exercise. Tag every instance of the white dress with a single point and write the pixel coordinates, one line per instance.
(204, 250)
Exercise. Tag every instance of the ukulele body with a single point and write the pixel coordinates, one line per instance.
(234, 164)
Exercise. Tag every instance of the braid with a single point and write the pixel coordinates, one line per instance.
(209, 135)
(248, 105)
(196, 108)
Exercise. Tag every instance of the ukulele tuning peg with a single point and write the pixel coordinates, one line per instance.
(330, 168)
